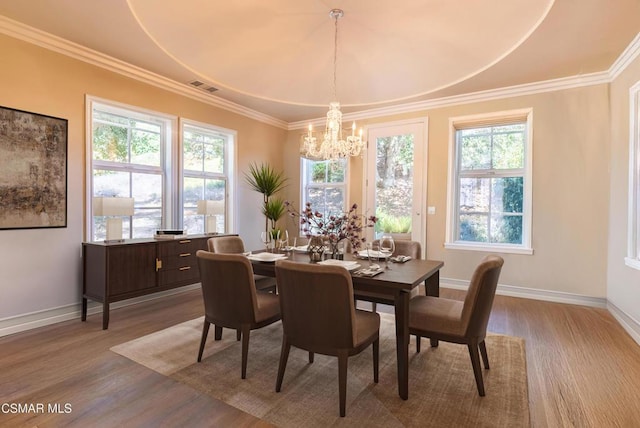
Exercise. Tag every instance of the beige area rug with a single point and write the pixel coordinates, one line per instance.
(442, 390)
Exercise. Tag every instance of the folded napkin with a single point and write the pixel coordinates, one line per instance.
(266, 257)
(379, 254)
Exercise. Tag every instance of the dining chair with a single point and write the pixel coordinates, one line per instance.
(231, 299)
(235, 245)
(319, 316)
(403, 247)
(463, 322)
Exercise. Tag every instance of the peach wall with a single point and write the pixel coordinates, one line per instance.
(570, 190)
(41, 268)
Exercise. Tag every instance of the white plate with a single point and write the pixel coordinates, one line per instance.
(300, 248)
(266, 257)
(349, 265)
(363, 254)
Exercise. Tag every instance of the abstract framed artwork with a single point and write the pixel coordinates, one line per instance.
(33, 170)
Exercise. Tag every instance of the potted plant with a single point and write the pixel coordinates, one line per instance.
(264, 179)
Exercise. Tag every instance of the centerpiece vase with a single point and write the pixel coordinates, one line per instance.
(334, 247)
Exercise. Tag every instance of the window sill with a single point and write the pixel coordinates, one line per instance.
(632, 263)
(510, 249)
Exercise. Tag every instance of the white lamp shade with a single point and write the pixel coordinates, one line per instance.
(112, 206)
(208, 207)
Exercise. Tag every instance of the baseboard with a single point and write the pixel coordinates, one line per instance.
(69, 312)
(533, 293)
(631, 325)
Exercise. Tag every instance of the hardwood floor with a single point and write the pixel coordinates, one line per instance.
(583, 369)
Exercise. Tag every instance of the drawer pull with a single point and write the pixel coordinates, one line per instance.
(185, 268)
(185, 254)
(158, 264)
(185, 241)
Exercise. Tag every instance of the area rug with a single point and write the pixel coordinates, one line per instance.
(442, 390)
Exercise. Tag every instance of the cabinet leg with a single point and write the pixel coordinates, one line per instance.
(105, 315)
(84, 309)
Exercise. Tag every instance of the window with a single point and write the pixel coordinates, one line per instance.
(205, 173)
(490, 184)
(135, 153)
(324, 185)
(633, 250)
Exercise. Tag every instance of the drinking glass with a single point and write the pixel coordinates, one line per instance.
(387, 247)
(266, 239)
(373, 253)
(284, 241)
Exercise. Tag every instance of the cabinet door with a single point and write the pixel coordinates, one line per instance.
(131, 268)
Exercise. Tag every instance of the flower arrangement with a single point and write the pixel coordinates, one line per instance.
(347, 225)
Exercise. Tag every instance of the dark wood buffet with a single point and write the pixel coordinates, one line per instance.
(137, 267)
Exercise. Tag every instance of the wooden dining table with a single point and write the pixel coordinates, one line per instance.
(393, 286)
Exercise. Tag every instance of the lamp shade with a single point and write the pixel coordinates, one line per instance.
(208, 207)
(112, 206)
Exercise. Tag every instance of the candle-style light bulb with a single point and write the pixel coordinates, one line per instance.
(353, 129)
(310, 130)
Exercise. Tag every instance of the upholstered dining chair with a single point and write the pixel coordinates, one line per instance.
(231, 299)
(319, 316)
(463, 322)
(403, 247)
(235, 245)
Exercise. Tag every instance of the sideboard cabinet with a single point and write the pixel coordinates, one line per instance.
(137, 267)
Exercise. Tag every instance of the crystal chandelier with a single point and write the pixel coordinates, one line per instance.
(333, 145)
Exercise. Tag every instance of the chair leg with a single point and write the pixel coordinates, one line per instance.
(418, 343)
(475, 362)
(376, 359)
(284, 356)
(218, 332)
(238, 335)
(205, 332)
(483, 353)
(311, 354)
(374, 307)
(245, 349)
(343, 358)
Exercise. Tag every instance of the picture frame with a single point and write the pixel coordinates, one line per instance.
(33, 170)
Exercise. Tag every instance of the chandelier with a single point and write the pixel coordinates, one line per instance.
(334, 145)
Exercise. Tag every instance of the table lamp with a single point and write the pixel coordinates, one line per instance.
(113, 209)
(210, 209)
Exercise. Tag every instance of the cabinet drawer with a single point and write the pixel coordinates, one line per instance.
(181, 276)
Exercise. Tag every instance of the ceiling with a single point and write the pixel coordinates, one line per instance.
(276, 56)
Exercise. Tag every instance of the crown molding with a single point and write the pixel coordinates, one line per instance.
(54, 43)
(472, 97)
(626, 57)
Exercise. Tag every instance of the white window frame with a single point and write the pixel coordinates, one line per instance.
(633, 242)
(304, 185)
(480, 120)
(171, 161)
(230, 136)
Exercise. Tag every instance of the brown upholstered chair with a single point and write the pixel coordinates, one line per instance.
(235, 245)
(403, 247)
(319, 316)
(231, 299)
(460, 322)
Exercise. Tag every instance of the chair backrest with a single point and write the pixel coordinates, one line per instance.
(226, 245)
(317, 306)
(405, 247)
(228, 287)
(479, 299)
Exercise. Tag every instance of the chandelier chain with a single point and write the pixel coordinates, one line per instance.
(335, 57)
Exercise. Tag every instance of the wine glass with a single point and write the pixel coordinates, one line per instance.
(266, 239)
(373, 254)
(284, 241)
(387, 247)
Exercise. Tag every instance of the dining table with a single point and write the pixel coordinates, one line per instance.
(391, 286)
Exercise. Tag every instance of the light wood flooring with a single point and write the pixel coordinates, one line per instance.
(583, 369)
